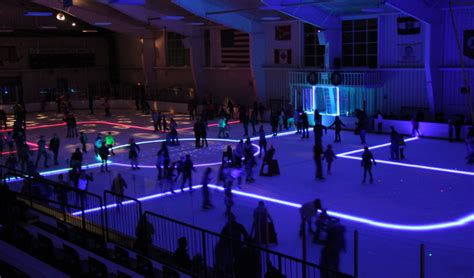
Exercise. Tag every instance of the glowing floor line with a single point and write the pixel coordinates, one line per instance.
(414, 166)
(181, 139)
(375, 147)
(424, 227)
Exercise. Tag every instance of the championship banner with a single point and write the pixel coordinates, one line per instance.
(410, 53)
(282, 56)
(408, 26)
(469, 43)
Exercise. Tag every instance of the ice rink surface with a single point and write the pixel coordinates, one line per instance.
(406, 205)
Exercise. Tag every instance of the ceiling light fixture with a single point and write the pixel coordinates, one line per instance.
(73, 24)
(60, 16)
(172, 17)
(270, 18)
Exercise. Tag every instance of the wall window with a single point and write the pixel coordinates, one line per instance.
(207, 48)
(359, 43)
(313, 51)
(176, 54)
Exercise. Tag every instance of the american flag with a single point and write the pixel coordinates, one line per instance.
(235, 48)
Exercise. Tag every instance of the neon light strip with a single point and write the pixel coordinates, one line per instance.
(146, 198)
(182, 139)
(108, 123)
(415, 166)
(425, 227)
(56, 172)
(375, 147)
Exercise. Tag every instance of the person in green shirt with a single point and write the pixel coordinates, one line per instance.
(110, 142)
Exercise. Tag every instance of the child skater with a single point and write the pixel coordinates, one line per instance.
(401, 147)
(329, 156)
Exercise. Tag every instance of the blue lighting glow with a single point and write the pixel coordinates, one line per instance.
(38, 14)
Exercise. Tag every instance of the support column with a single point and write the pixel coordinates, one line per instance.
(196, 45)
(331, 37)
(257, 58)
(433, 52)
(148, 64)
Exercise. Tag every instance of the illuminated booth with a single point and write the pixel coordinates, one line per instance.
(333, 93)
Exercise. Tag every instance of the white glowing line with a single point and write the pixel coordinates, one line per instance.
(375, 147)
(414, 166)
(55, 172)
(145, 198)
(425, 227)
(182, 139)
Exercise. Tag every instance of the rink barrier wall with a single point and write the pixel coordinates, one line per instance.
(427, 129)
(119, 226)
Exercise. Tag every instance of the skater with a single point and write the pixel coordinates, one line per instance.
(97, 144)
(245, 121)
(174, 132)
(187, 172)
(228, 156)
(133, 151)
(104, 153)
(83, 138)
(155, 120)
(253, 120)
(197, 135)
(230, 107)
(262, 141)
(318, 132)
(165, 123)
(317, 153)
(203, 131)
(367, 160)
(379, 122)
(337, 124)
(274, 123)
(110, 142)
(91, 104)
(206, 201)
(42, 152)
(249, 163)
(402, 146)
(394, 144)
(329, 156)
(415, 126)
(221, 124)
(118, 188)
(54, 144)
(307, 212)
(168, 176)
(305, 125)
(238, 153)
(298, 121)
(76, 161)
(163, 160)
(106, 106)
(362, 130)
(273, 167)
(262, 223)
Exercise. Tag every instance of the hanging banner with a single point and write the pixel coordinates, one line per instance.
(469, 43)
(410, 53)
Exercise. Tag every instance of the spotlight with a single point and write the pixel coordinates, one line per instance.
(60, 16)
(73, 24)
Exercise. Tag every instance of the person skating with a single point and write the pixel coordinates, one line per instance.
(319, 131)
(42, 152)
(133, 151)
(329, 156)
(415, 126)
(221, 125)
(169, 175)
(262, 141)
(197, 135)
(110, 142)
(394, 144)
(317, 155)
(104, 153)
(165, 123)
(174, 132)
(206, 200)
(307, 212)
(187, 172)
(337, 124)
(274, 123)
(379, 121)
(118, 188)
(367, 160)
(305, 125)
(76, 161)
(83, 139)
(402, 146)
(54, 144)
(163, 160)
(97, 144)
(203, 131)
(249, 163)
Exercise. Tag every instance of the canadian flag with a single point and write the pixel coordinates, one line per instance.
(282, 56)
